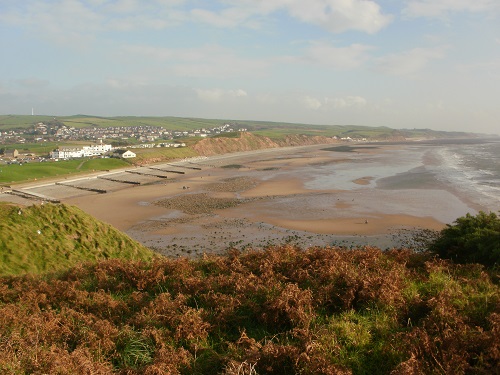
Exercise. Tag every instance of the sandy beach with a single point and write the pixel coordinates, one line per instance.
(307, 196)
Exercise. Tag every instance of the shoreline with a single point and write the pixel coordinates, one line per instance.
(273, 204)
(306, 196)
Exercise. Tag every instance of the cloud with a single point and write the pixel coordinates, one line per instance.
(208, 61)
(438, 8)
(32, 83)
(336, 16)
(490, 69)
(227, 18)
(340, 15)
(312, 103)
(217, 95)
(73, 21)
(335, 102)
(76, 22)
(349, 101)
(409, 62)
(338, 57)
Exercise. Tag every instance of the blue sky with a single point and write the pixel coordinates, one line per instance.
(399, 63)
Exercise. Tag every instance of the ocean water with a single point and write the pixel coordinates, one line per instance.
(468, 168)
(472, 168)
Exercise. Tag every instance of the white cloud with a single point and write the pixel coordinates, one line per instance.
(227, 18)
(340, 15)
(73, 21)
(238, 93)
(335, 102)
(409, 62)
(438, 8)
(334, 15)
(348, 101)
(78, 21)
(312, 103)
(32, 82)
(208, 61)
(338, 57)
(218, 95)
(491, 69)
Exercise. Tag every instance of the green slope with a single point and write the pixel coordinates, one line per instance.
(52, 237)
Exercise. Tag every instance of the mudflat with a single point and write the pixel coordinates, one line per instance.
(307, 196)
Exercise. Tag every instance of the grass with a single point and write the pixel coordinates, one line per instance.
(39, 170)
(49, 237)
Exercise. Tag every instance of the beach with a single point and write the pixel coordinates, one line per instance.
(306, 196)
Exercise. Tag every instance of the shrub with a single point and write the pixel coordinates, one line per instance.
(472, 239)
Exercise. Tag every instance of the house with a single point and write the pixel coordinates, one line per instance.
(96, 150)
(125, 154)
(66, 153)
(11, 154)
(86, 151)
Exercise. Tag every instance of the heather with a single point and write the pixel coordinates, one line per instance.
(283, 310)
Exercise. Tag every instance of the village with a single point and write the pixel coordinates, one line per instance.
(103, 141)
(55, 131)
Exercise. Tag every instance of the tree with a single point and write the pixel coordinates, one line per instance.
(472, 239)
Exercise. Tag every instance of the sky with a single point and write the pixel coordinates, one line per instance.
(398, 63)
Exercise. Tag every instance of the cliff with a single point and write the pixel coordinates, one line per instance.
(249, 142)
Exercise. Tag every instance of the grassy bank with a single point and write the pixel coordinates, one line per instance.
(49, 237)
(36, 171)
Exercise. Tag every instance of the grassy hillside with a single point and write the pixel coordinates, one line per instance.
(80, 121)
(29, 171)
(266, 128)
(51, 237)
(279, 311)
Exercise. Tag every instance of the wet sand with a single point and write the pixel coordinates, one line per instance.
(306, 196)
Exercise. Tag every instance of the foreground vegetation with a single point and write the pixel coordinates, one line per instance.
(87, 299)
(279, 311)
(471, 239)
(50, 237)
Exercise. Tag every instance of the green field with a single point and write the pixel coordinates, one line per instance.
(38, 170)
(81, 121)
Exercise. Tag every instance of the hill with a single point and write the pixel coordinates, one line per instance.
(269, 129)
(50, 237)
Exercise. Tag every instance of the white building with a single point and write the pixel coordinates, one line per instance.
(96, 150)
(125, 154)
(68, 153)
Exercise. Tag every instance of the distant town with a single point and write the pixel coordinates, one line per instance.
(103, 141)
(56, 131)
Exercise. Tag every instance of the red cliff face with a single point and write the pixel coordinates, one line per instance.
(250, 142)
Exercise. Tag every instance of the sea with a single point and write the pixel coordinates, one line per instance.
(469, 168)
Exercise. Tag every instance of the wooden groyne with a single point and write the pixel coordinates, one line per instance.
(147, 174)
(32, 196)
(166, 170)
(120, 181)
(95, 190)
(186, 166)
